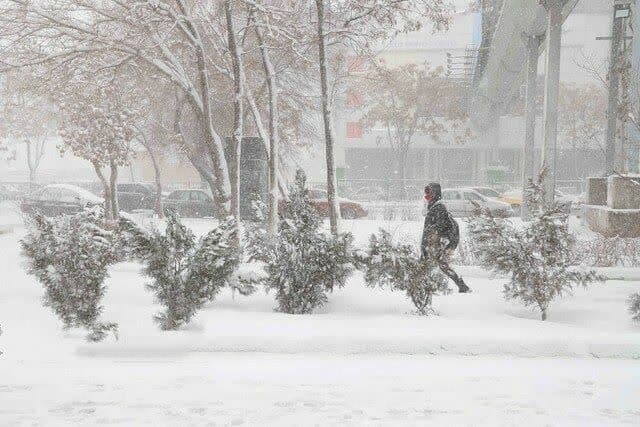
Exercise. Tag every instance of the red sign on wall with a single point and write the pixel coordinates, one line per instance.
(355, 64)
(354, 130)
(354, 99)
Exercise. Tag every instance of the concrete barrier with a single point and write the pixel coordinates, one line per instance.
(623, 192)
(596, 191)
(613, 222)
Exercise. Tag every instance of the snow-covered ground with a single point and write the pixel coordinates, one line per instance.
(363, 359)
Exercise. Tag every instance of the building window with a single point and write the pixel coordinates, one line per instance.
(354, 130)
(354, 99)
(355, 64)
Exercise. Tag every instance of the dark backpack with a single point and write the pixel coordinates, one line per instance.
(453, 232)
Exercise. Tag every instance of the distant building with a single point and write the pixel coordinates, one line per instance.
(363, 153)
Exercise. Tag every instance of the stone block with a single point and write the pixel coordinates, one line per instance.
(613, 222)
(623, 192)
(596, 191)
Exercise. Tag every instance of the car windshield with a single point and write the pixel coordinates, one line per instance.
(471, 195)
(450, 195)
(489, 192)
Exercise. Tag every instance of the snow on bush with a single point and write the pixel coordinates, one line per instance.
(400, 267)
(301, 263)
(634, 306)
(602, 251)
(185, 273)
(538, 257)
(70, 255)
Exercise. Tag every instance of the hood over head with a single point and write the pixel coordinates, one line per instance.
(436, 190)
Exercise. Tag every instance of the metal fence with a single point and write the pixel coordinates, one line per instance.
(411, 189)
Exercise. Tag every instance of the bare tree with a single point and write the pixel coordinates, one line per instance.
(358, 24)
(409, 99)
(27, 120)
(582, 118)
(97, 127)
(163, 38)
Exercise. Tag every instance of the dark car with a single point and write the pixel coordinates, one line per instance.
(59, 199)
(135, 196)
(190, 203)
(348, 209)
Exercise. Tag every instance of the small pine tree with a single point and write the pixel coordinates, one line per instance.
(634, 306)
(538, 257)
(186, 273)
(70, 255)
(400, 267)
(301, 263)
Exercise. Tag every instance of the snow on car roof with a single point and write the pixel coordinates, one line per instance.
(81, 192)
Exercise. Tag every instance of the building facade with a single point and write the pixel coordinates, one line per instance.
(365, 155)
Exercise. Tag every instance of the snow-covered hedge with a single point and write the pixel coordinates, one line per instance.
(301, 263)
(70, 255)
(634, 306)
(607, 252)
(400, 267)
(538, 257)
(186, 273)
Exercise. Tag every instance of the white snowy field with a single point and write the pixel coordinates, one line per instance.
(363, 359)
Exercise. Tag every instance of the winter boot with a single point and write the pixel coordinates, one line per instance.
(463, 288)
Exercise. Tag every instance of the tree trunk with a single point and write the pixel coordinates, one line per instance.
(31, 164)
(108, 214)
(544, 314)
(255, 113)
(402, 172)
(334, 211)
(221, 186)
(236, 136)
(274, 137)
(113, 183)
(157, 203)
(199, 160)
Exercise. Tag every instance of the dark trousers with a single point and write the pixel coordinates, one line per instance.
(450, 273)
(443, 255)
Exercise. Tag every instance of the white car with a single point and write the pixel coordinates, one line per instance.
(460, 202)
(488, 192)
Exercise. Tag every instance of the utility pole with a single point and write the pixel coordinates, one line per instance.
(614, 149)
(528, 154)
(551, 90)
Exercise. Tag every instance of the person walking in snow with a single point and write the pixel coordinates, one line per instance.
(441, 235)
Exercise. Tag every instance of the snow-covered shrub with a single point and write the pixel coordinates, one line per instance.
(538, 256)
(186, 273)
(602, 251)
(70, 255)
(301, 263)
(400, 267)
(634, 306)
(465, 253)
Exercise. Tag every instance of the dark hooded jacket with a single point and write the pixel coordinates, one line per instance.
(438, 221)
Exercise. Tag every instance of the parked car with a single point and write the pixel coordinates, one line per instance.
(59, 199)
(460, 202)
(488, 192)
(189, 203)
(514, 198)
(136, 195)
(348, 208)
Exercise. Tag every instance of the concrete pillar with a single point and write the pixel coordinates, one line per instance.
(551, 90)
(528, 152)
(614, 156)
